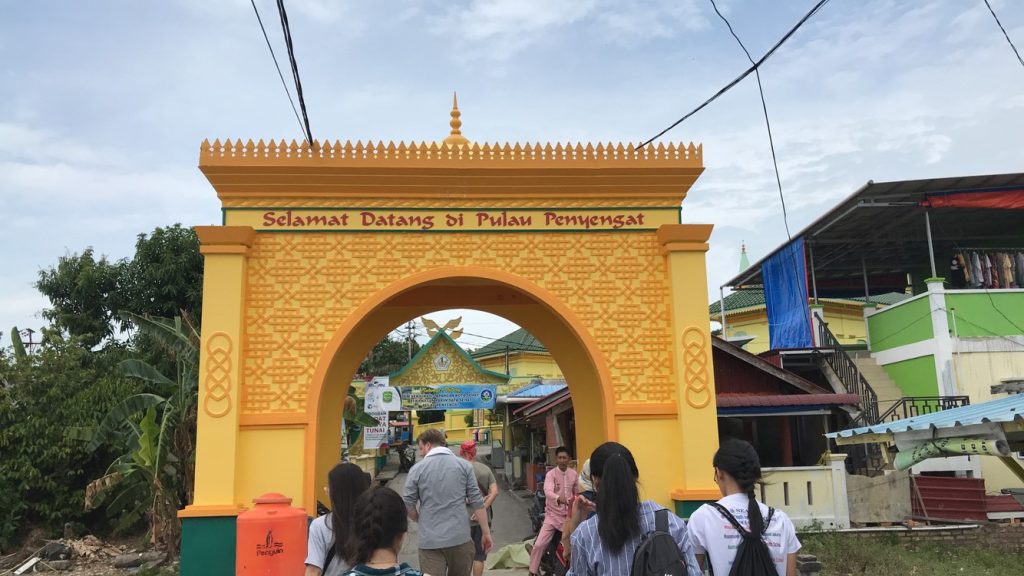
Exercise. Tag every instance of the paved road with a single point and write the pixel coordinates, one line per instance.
(511, 524)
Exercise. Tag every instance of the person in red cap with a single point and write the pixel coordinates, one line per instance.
(489, 490)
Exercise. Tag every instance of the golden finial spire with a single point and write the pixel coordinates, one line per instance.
(455, 138)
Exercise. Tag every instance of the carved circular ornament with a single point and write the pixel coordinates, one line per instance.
(217, 384)
(695, 367)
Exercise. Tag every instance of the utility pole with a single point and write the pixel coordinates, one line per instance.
(30, 345)
(408, 337)
(410, 334)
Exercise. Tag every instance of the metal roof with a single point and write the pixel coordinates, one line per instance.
(753, 298)
(539, 389)
(517, 341)
(1002, 410)
(881, 227)
(546, 403)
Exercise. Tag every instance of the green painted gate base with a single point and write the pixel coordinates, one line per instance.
(208, 546)
(686, 508)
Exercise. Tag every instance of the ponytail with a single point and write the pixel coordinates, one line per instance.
(738, 459)
(757, 526)
(618, 516)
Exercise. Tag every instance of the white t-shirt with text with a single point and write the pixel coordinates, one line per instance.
(715, 537)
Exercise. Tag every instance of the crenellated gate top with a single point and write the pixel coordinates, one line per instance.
(469, 173)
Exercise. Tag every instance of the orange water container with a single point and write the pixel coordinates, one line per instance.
(271, 538)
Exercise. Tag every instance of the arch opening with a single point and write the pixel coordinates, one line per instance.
(493, 291)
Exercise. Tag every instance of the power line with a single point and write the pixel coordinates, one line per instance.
(286, 30)
(768, 124)
(276, 65)
(1019, 59)
(740, 78)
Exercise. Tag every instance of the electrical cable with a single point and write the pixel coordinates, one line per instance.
(1019, 59)
(278, 66)
(286, 30)
(768, 124)
(740, 78)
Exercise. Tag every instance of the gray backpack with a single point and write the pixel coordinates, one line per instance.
(658, 554)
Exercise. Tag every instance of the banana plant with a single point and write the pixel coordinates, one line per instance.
(354, 419)
(155, 431)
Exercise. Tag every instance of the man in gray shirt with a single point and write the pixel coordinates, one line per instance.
(436, 492)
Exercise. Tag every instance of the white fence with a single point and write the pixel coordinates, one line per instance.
(812, 496)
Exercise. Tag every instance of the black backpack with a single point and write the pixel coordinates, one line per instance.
(752, 555)
(658, 554)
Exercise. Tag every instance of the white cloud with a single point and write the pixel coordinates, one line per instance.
(498, 29)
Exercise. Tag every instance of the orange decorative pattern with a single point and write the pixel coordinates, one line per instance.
(301, 287)
(281, 152)
(447, 203)
(695, 371)
(217, 384)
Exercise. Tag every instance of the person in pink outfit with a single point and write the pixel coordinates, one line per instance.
(560, 488)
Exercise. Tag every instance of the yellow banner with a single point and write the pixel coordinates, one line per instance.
(457, 220)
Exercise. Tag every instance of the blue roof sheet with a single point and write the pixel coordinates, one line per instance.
(1006, 409)
(539, 390)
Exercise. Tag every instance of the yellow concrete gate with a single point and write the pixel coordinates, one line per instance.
(324, 250)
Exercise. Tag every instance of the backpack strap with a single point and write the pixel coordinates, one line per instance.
(661, 520)
(768, 520)
(728, 516)
(329, 559)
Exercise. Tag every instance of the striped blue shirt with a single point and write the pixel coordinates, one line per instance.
(590, 557)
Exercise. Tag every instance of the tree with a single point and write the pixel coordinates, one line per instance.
(387, 357)
(43, 471)
(82, 292)
(163, 279)
(154, 432)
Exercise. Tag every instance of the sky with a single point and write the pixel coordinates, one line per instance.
(103, 104)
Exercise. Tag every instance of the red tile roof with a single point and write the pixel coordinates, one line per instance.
(752, 400)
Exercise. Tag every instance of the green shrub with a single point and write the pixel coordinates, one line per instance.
(44, 473)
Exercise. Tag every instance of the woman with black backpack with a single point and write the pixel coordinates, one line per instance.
(738, 535)
(627, 536)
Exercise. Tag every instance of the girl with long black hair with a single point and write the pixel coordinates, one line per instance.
(604, 544)
(328, 550)
(737, 472)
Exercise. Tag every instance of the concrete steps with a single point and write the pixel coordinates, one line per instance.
(887, 390)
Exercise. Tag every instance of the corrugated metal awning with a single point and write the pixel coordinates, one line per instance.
(1001, 411)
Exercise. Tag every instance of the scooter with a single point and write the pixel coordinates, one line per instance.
(554, 562)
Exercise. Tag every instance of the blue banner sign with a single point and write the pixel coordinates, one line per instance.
(448, 397)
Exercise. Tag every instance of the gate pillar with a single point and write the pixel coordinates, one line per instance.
(685, 246)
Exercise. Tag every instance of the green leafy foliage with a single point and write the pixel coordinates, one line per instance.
(154, 432)
(82, 293)
(63, 386)
(387, 357)
(163, 279)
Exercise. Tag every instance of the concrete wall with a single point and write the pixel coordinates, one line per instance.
(810, 495)
(845, 321)
(880, 498)
(976, 372)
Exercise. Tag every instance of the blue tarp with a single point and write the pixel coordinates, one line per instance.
(785, 296)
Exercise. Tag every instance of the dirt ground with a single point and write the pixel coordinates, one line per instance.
(88, 556)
